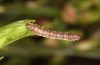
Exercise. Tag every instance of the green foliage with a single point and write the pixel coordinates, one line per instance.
(13, 32)
(1, 57)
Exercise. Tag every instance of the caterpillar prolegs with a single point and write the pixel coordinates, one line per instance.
(52, 34)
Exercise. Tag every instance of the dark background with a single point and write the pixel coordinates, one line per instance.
(75, 16)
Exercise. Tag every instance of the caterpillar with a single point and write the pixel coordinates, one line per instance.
(52, 34)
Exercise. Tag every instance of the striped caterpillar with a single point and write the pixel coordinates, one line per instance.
(52, 34)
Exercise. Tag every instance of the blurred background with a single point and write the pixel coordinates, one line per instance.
(75, 16)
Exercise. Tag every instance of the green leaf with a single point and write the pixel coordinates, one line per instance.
(14, 31)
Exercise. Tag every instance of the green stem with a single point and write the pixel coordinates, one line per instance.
(13, 32)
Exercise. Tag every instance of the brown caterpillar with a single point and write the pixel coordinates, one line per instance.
(52, 34)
